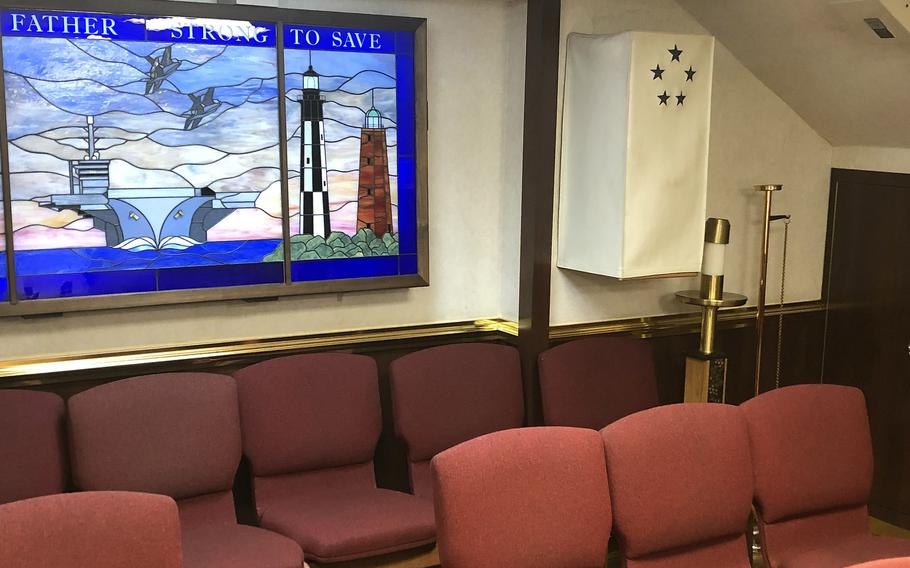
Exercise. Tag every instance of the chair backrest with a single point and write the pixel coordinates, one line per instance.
(530, 497)
(91, 530)
(592, 382)
(177, 434)
(445, 395)
(681, 485)
(811, 450)
(32, 445)
(305, 413)
(812, 462)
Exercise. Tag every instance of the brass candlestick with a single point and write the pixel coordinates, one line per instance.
(706, 370)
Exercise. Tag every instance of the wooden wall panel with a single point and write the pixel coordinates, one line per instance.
(801, 364)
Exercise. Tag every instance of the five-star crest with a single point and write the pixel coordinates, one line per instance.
(658, 73)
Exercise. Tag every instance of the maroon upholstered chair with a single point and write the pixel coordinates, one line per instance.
(310, 428)
(32, 445)
(812, 458)
(681, 486)
(177, 434)
(528, 497)
(885, 563)
(91, 530)
(445, 395)
(592, 382)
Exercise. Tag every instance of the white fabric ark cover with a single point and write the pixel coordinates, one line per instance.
(634, 168)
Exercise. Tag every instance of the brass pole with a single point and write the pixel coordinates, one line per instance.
(708, 329)
(763, 281)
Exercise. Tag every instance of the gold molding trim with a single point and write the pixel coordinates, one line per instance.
(170, 354)
(676, 323)
(178, 353)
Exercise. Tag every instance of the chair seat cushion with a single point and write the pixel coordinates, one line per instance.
(333, 526)
(238, 546)
(846, 552)
(725, 553)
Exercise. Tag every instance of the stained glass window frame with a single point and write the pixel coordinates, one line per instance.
(408, 268)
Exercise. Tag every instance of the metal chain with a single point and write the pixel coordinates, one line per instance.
(780, 317)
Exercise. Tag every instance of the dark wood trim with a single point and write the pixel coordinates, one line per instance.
(45, 370)
(537, 191)
(677, 324)
(874, 178)
(41, 371)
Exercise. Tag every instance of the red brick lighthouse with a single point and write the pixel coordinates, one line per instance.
(374, 195)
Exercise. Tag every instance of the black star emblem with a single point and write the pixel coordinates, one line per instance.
(675, 52)
(658, 73)
(680, 98)
(690, 73)
(663, 99)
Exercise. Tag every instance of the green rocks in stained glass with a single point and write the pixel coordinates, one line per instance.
(364, 249)
(338, 245)
(338, 240)
(364, 236)
(315, 242)
(379, 248)
(300, 239)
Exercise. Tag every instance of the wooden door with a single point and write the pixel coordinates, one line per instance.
(868, 327)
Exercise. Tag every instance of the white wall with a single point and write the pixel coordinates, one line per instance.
(755, 138)
(475, 85)
(872, 158)
(510, 215)
(476, 76)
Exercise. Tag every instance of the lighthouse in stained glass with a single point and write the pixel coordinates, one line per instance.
(374, 196)
(314, 181)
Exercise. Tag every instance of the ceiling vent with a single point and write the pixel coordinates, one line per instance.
(879, 27)
(889, 19)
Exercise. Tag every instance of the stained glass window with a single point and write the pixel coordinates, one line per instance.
(345, 91)
(145, 153)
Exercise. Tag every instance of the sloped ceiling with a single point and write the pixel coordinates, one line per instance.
(820, 57)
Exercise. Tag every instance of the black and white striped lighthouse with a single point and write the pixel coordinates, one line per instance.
(314, 180)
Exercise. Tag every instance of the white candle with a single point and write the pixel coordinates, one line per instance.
(712, 261)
